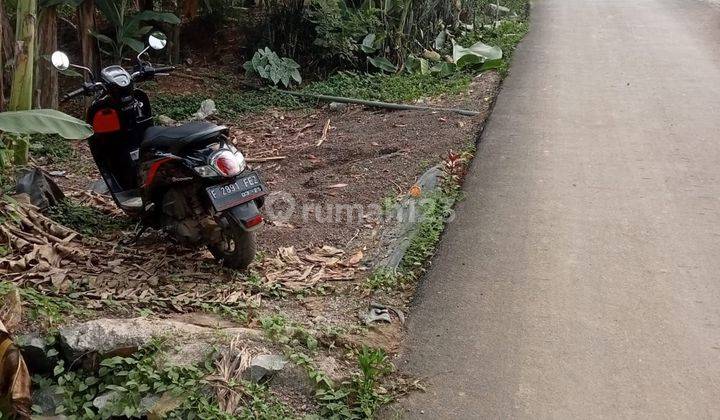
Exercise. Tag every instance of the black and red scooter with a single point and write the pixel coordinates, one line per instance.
(188, 179)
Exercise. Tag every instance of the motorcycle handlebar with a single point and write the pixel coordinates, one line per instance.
(73, 94)
(164, 69)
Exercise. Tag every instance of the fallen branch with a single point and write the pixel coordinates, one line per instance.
(265, 159)
(379, 104)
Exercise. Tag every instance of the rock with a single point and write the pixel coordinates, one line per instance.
(39, 358)
(496, 10)
(39, 186)
(99, 187)
(405, 218)
(337, 106)
(330, 366)
(47, 400)
(165, 120)
(110, 337)
(375, 314)
(102, 401)
(264, 367)
(295, 379)
(207, 108)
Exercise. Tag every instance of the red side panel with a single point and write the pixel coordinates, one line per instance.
(153, 170)
(106, 120)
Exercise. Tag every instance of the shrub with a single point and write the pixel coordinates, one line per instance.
(341, 32)
(269, 66)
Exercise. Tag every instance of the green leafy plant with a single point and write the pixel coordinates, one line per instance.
(269, 66)
(35, 121)
(129, 27)
(343, 32)
(360, 397)
(87, 220)
(383, 278)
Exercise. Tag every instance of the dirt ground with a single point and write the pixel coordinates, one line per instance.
(312, 264)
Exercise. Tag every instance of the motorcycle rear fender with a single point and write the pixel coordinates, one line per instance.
(247, 215)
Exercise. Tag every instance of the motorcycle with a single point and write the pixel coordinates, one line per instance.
(189, 179)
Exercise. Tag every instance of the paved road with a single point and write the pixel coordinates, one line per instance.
(582, 279)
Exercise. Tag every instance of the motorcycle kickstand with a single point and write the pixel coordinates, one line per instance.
(140, 228)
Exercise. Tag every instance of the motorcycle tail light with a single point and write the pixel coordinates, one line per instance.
(226, 163)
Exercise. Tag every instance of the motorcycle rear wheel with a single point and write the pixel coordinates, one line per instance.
(237, 247)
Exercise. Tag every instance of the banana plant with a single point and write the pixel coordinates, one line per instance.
(36, 121)
(130, 27)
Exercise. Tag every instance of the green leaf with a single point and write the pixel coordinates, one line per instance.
(102, 38)
(59, 368)
(440, 40)
(134, 44)
(492, 64)
(383, 64)
(165, 17)
(368, 44)
(44, 121)
(476, 53)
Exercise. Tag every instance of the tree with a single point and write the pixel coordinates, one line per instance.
(46, 77)
(86, 27)
(22, 83)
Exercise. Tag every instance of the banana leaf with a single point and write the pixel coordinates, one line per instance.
(44, 121)
(477, 53)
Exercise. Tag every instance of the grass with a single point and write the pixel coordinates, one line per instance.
(87, 220)
(52, 146)
(383, 278)
(402, 87)
(38, 307)
(229, 103)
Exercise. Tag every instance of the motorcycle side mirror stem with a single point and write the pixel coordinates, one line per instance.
(61, 62)
(157, 41)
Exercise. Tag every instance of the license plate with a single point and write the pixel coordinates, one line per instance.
(237, 192)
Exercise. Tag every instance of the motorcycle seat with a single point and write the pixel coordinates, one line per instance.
(174, 139)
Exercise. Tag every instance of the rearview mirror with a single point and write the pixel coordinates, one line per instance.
(60, 60)
(157, 40)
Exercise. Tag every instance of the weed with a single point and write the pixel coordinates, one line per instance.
(383, 278)
(50, 310)
(124, 382)
(87, 220)
(282, 331)
(229, 103)
(52, 146)
(435, 210)
(234, 313)
(390, 88)
(362, 395)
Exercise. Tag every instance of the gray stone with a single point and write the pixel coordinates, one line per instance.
(39, 358)
(99, 187)
(47, 400)
(207, 109)
(330, 366)
(102, 401)
(337, 106)
(493, 9)
(165, 120)
(406, 216)
(265, 366)
(39, 186)
(375, 314)
(109, 337)
(295, 379)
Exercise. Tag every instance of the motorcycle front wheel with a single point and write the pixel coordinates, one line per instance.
(235, 248)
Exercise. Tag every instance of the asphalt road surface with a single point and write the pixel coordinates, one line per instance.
(582, 276)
